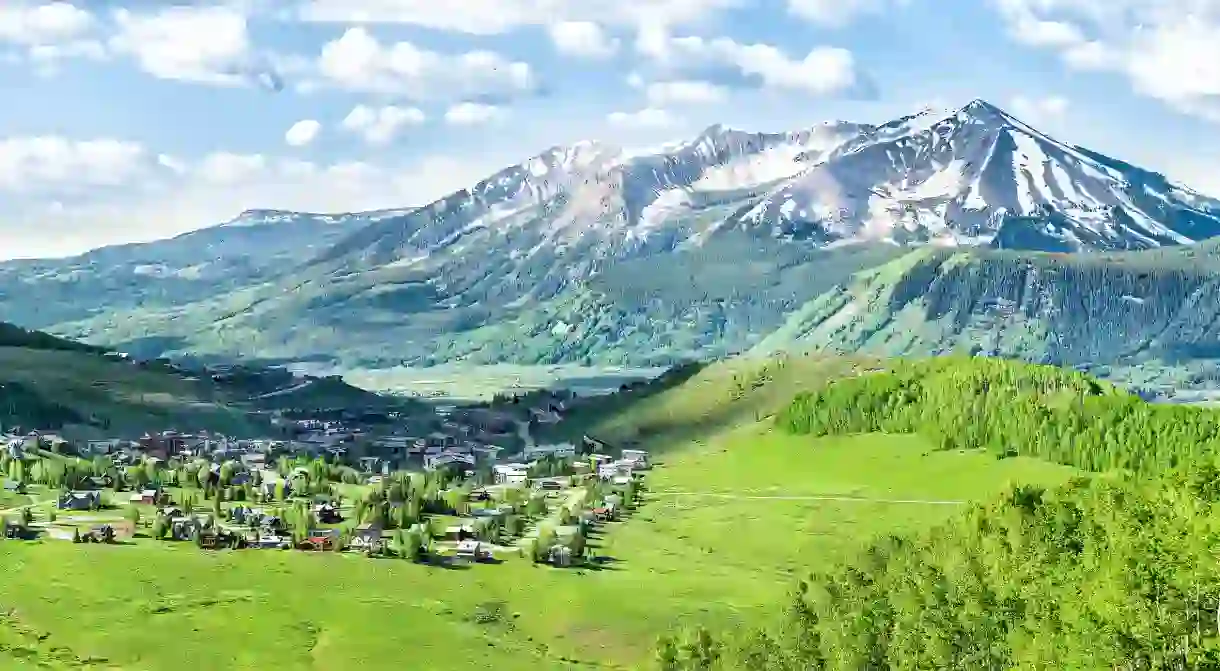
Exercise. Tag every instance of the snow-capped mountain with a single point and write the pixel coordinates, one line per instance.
(973, 176)
(981, 176)
(697, 246)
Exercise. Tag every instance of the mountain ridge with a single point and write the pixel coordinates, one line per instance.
(725, 235)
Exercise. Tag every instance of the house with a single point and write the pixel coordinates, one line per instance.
(591, 444)
(146, 497)
(637, 457)
(472, 550)
(607, 471)
(319, 539)
(14, 531)
(367, 537)
(80, 500)
(445, 459)
(510, 474)
(459, 532)
(556, 450)
(327, 513)
(550, 484)
(95, 447)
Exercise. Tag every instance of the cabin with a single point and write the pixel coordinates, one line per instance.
(473, 551)
(80, 500)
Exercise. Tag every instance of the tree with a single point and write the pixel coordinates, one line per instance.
(216, 508)
(27, 517)
(667, 654)
(76, 536)
(159, 528)
(132, 514)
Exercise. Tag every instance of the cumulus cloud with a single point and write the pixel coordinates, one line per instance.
(380, 125)
(50, 32)
(357, 61)
(1166, 48)
(649, 117)
(584, 39)
(140, 195)
(823, 70)
(678, 92)
(202, 44)
(302, 132)
(43, 24)
(50, 164)
(472, 114)
(491, 17)
(1047, 109)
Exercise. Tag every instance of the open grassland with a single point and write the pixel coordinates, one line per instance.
(122, 396)
(681, 558)
(480, 383)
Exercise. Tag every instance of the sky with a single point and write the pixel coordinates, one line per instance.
(133, 120)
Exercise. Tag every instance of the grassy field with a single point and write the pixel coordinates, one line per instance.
(476, 383)
(682, 557)
(131, 399)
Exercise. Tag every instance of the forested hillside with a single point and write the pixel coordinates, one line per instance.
(1112, 572)
(1054, 308)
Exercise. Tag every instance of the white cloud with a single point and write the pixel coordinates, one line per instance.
(381, 125)
(207, 45)
(43, 24)
(824, 70)
(490, 17)
(53, 164)
(302, 132)
(677, 92)
(1166, 48)
(1046, 109)
(833, 13)
(649, 117)
(50, 32)
(358, 62)
(472, 114)
(584, 39)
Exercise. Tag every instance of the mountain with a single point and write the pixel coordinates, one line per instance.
(1117, 310)
(589, 253)
(251, 248)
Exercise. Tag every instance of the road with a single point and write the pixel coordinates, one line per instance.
(844, 499)
(28, 505)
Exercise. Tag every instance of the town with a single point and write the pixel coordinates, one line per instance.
(443, 484)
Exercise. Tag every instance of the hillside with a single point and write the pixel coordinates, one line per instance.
(52, 383)
(249, 249)
(1098, 311)
(591, 254)
(1083, 575)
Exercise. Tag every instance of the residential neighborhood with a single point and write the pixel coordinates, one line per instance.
(465, 484)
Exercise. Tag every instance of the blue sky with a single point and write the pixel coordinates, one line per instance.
(142, 119)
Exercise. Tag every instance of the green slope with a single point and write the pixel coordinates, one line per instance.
(1113, 310)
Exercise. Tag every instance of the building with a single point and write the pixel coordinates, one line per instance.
(555, 450)
(639, 457)
(445, 459)
(80, 500)
(510, 474)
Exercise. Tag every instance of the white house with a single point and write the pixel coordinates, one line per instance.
(639, 457)
(511, 474)
(433, 462)
(557, 450)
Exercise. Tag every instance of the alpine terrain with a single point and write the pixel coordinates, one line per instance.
(591, 253)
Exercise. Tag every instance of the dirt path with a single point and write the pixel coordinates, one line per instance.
(845, 499)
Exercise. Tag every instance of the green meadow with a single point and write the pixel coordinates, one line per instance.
(728, 523)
